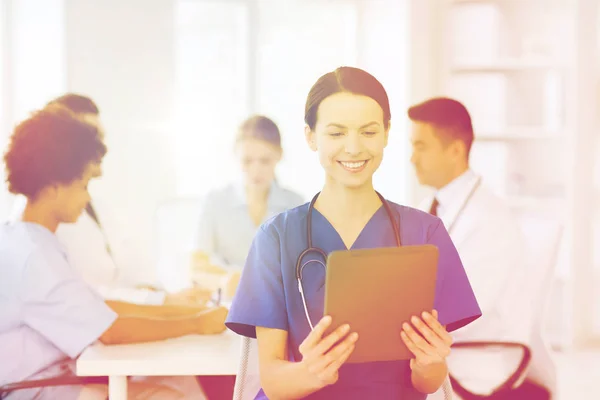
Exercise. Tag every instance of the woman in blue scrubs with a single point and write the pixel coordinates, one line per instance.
(347, 119)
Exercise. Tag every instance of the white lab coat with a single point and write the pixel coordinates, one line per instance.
(489, 242)
(488, 239)
(86, 247)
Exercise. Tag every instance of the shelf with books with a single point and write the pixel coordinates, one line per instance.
(505, 66)
(518, 134)
(526, 70)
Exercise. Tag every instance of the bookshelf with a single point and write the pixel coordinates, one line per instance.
(512, 63)
(504, 59)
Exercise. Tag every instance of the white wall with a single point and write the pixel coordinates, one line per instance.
(292, 54)
(4, 94)
(212, 71)
(385, 44)
(423, 58)
(37, 54)
(33, 58)
(121, 54)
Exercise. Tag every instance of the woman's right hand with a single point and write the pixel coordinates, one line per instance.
(320, 358)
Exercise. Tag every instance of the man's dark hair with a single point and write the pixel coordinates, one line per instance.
(77, 103)
(52, 146)
(449, 116)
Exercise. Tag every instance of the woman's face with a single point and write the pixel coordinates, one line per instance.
(72, 198)
(349, 137)
(258, 159)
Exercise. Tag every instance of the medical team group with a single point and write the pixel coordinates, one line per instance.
(61, 290)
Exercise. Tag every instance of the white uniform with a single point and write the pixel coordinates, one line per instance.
(489, 241)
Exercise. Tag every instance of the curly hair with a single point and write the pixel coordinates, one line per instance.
(77, 103)
(52, 146)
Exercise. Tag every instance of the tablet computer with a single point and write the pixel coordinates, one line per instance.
(376, 291)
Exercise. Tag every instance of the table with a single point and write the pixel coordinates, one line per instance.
(183, 356)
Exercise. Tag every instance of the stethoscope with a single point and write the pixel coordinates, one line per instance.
(465, 203)
(310, 249)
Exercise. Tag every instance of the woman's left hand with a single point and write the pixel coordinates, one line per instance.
(427, 340)
(193, 297)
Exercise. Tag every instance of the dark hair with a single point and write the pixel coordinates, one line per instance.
(52, 146)
(259, 127)
(448, 115)
(345, 79)
(77, 103)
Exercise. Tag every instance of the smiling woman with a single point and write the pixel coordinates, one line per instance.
(347, 118)
(353, 127)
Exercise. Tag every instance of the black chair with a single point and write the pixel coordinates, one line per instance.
(515, 387)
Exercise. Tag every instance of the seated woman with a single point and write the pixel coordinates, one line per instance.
(231, 216)
(49, 314)
(97, 253)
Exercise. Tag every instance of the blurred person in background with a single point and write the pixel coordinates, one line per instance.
(231, 216)
(482, 226)
(90, 249)
(48, 313)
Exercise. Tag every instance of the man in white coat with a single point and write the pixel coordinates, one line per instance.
(481, 225)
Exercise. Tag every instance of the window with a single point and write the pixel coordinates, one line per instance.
(38, 53)
(211, 90)
(33, 67)
(3, 121)
(298, 41)
(233, 60)
(384, 52)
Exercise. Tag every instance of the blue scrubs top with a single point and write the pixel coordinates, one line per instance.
(268, 292)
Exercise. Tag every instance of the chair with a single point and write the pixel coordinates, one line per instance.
(55, 381)
(247, 383)
(542, 238)
(176, 222)
(543, 241)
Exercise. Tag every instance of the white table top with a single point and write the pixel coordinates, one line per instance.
(188, 355)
